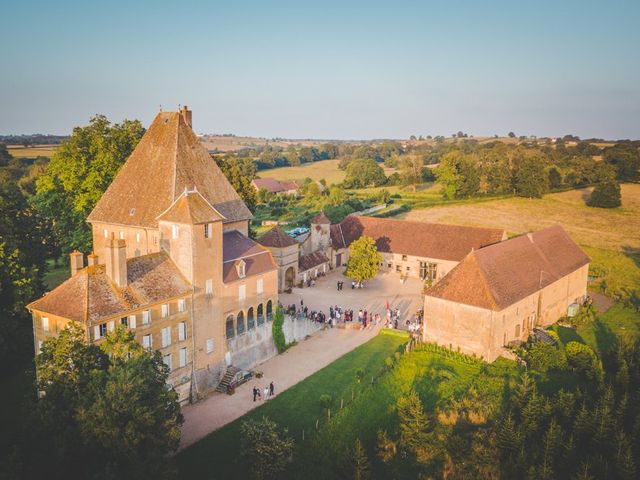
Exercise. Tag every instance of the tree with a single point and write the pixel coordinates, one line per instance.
(358, 467)
(240, 172)
(107, 409)
(605, 195)
(411, 167)
(511, 135)
(265, 448)
(415, 435)
(364, 173)
(530, 178)
(459, 175)
(364, 259)
(337, 196)
(555, 178)
(80, 171)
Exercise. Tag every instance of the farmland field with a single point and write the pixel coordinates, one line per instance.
(327, 169)
(19, 151)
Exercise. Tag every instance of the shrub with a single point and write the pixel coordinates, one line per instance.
(583, 359)
(276, 329)
(605, 195)
(543, 357)
(325, 400)
(359, 374)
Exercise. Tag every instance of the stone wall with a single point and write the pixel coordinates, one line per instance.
(256, 346)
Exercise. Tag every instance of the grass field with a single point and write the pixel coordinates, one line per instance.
(327, 169)
(19, 151)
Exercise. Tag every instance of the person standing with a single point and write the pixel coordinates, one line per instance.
(255, 393)
(271, 389)
(266, 393)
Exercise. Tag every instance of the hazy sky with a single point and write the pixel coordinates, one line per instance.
(326, 69)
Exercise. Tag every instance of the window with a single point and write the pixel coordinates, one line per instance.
(517, 330)
(99, 331)
(208, 287)
(260, 286)
(182, 305)
(207, 230)
(174, 231)
(111, 326)
(398, 268)
(183, 357)
(167, 361)
(165, 310)
(241, 267)
(106, 233)
(45, 324)
(240, 323)
(389, 265)
(209, 345)
(146, 317)
(250, 319)
(39, 346)
(230, 330)
(121, 235)
(404, 258)
(132, 321)
(147, 341)
(242, 292)
(260, 315)
(137, 238)
(408, 269)
(182, 331)
(124, 321)
(166, 337)
(155, 240)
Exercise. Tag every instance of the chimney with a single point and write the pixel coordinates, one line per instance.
(115, 259)
(77, 262)
(92, 259)
(186, 113)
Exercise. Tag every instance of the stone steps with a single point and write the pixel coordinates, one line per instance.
(226, 379)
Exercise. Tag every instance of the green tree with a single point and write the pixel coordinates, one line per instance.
(337, 195)
(240, 172)
(80, 171)
(459, 175)
(411, 167)
(530, 179)
(364, 259)
(605, 195)
(364, 173)
(358, 467)
(265, 448)
(555, 178)
(106, 409)
(416, 437)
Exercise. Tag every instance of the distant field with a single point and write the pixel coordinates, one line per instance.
(610, 236)
(231, 144)
(18, 151)
(327, 169)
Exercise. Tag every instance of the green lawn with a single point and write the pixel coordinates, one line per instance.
(55, 274)
(434, 373)
(298, 408)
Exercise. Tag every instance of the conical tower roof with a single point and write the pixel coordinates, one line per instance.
(168, 160)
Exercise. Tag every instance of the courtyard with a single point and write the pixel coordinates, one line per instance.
(385, 287)
(308, 356)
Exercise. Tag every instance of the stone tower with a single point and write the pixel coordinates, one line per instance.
(320, 233)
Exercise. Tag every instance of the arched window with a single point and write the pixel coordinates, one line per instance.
(260, 315)
(230, 329)
(250, 320)
(269, 311)
(240, 323)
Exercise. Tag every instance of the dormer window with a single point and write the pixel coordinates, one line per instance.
(241, 267)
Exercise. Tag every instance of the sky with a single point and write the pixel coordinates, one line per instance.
(326, 69)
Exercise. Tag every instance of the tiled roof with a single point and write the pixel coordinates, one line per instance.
(274, 186)
(90, 295)
(191, 208)
(320, 218)
(499, 275)
(168, 160)
(236, 246)
(421, 239)
(311, 260)
(276, 238)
